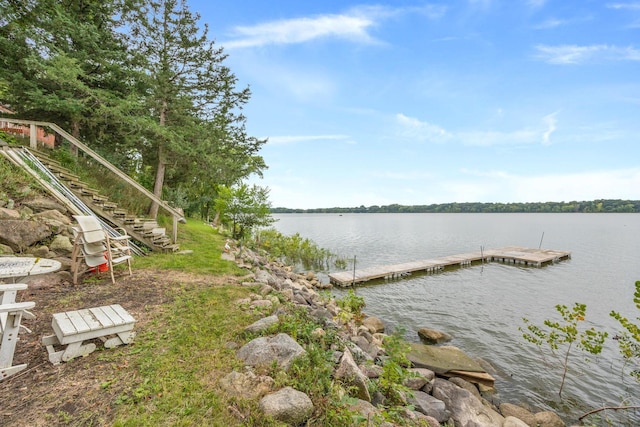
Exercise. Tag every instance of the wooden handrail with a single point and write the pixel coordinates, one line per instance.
(177, 216)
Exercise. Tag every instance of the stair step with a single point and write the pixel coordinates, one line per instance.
(87, 191)
(107, 206)
(78, 185)
(99, 199)
(65, 176)
(44, 158)
(129, 219)
(120, 213)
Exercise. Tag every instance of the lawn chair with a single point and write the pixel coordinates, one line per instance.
(94, 247)
(11, 314)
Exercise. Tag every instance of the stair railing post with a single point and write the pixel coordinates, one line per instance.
(33, 136)
(174, 231)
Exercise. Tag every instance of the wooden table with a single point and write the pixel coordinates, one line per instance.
(20, 267)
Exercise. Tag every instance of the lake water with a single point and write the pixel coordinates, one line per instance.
(482, 306)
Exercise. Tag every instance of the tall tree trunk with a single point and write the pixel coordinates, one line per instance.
(162, 162)
(75, 132)
(159, 182)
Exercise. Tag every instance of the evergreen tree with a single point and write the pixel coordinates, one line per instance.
(193, 99)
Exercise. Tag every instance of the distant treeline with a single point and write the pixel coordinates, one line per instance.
(605, 205)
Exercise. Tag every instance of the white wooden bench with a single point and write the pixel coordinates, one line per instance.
(112, 324)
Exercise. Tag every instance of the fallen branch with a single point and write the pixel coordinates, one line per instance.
(615, 408)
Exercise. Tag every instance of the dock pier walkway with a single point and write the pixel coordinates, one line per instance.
(511, 254)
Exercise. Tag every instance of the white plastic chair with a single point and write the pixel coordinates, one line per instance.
(93, 245)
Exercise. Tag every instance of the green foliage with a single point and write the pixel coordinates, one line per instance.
(629, 338)
(351, 305)
(243, 208)
(294, 249)
(600, 205)
(394, 370)
(565, 334)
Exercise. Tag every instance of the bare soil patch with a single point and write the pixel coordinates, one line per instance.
(83, 391)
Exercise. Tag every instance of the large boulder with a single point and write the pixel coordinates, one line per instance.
(429, 405)
(40, 204)
(350, 374)
(465, 408)
(20, 234)
(262, 324)
(288, 405)
(263, 351)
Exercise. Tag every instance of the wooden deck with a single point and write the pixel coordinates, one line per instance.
(510, 254)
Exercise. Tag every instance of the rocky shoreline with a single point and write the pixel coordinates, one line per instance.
(434, 400)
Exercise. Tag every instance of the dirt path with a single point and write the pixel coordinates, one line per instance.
(80, 392)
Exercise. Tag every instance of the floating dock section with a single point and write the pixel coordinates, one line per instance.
(510, 254)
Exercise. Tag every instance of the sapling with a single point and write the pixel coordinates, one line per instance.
(560, 337)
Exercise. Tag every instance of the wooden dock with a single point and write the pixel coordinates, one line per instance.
(510, 254)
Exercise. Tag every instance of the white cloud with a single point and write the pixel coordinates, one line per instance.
(627, 6)
(550, 23)
(536, 3)
(354, 26)
(294, 139)
(550, 121)
(574, 54)
(300, 30)
(414, 129)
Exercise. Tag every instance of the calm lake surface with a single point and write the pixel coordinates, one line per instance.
(482, 306)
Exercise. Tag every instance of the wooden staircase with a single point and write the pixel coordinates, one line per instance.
(145, 230)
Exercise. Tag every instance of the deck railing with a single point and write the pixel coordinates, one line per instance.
(33, 143)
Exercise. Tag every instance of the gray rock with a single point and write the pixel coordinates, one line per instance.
(431, 336)
(511, 410)
(364, 408)
(349, 373)
(247, 385)
(514, 422)
(548, 419)
(9, 213)
(420, 378)
(466, 409)
(366, 346)
(374, 324)
(61, 244)
(262, 324)
(263, 276)
(20, 234)
(40, 204)
(288, 406)
(263, 351)
(430, 406)
(5, 250)
(466, 385)
(371, 370)
(55, 215)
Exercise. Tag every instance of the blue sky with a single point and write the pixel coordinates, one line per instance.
(418, 102)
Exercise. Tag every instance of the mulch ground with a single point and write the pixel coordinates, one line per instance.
(80, 392)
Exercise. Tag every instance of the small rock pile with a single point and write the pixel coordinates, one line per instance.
(39, 227)
(433, 401)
